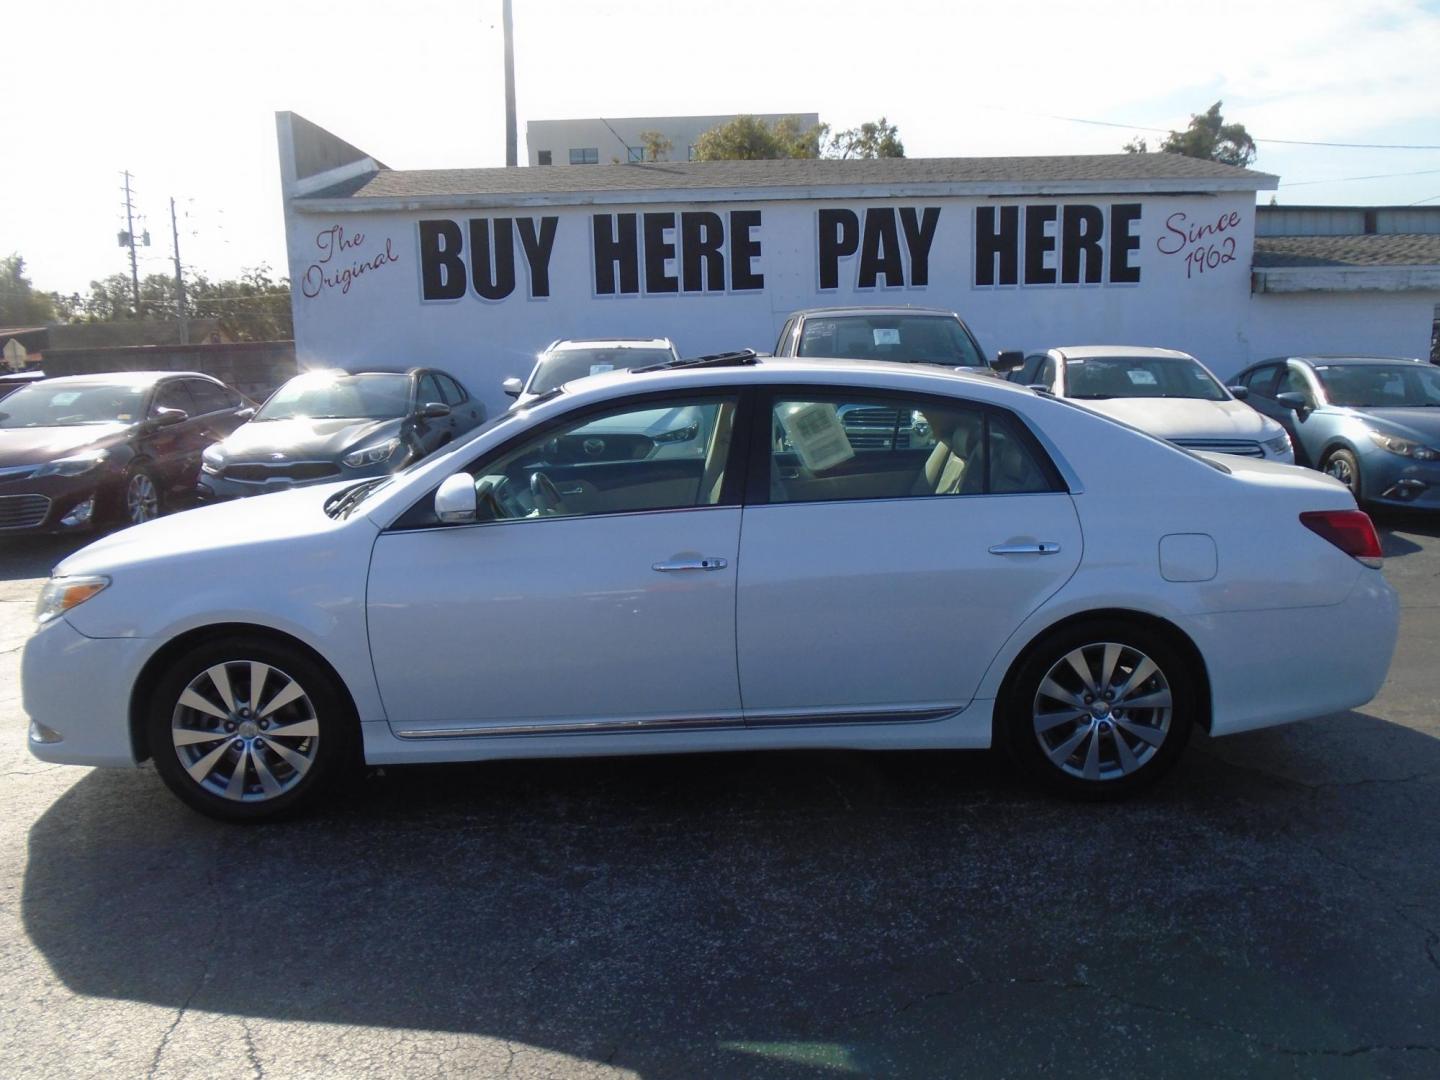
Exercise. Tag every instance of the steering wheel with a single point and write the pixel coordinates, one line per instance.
(545, 495)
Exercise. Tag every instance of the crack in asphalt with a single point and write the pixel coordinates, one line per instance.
(205, 975)
(1432, 938)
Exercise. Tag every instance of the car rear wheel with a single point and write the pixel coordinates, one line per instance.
(243, 730)
(1341, 464)
(1099, 710)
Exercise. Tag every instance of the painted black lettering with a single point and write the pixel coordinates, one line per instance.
(538, 248)
(492, 273)
(1037, 243)
(615, 247)
(919, 228)
(658, 251)
(744, 250)
(1081, 229)
(703, 265)
(839, 238)
(1123, 240)
(997, 241)
(880, 250)
(442, 271)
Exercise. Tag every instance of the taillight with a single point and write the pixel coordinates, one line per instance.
(1351, 531)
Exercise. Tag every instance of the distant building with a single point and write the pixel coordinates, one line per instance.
(604, 142)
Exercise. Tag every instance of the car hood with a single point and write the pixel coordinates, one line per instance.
(1187, 418)
(240, 524)
(1419, 422)
(34, 446)
(303, 439)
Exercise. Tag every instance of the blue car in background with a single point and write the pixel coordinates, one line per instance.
(1371, 422)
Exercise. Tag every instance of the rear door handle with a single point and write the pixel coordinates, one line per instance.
(1044, 547)
(710, 563)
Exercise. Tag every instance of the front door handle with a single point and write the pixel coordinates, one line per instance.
(710, 563)
(1044, 547)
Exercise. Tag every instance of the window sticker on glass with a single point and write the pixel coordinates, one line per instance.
(817, 435)
(600, 369)
(887, 335)
(69, 397)
(1141, 377)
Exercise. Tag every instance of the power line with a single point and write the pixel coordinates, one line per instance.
(1256, 138)
(1347, 179)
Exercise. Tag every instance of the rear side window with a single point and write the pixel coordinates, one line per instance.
(824, 448)
(454, 393)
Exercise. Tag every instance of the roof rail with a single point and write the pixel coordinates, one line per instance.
(736, 358)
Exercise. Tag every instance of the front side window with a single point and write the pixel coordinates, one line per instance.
(841, 448)
(430, 391)
(915, 339)
(173, 395)
(330, 395)
(1293, 381)
(1100, 377)
(211, 397)
(665, 454)
(1261, 380)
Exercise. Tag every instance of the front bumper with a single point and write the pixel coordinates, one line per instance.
(43, 504)
(1388, 479)
(76, 690)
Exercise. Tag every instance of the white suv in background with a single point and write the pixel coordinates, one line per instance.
(574, 358)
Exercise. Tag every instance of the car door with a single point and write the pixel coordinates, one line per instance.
(219, 407)
(551, 616)
(431, 432)
(880, 580)
(1307, 433)
(174, 449)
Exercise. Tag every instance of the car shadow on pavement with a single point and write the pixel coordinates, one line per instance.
(24, 557)
(790, 914)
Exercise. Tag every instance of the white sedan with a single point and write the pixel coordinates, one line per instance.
(1164, 392)
(1016, 570)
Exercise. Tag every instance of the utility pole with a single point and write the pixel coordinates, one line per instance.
(129, 240)
(179, 278)
(510, 153)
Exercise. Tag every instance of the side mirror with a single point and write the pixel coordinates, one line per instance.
(1008, 360)
(1294, 401)
(247, 413)
(1239, 393)
(165, 417)
(513, 386)
(455, 500)
(433, 410)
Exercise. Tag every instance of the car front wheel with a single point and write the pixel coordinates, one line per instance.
(1099, 710)
(1341, 464)
(242, 729)
(142, 496)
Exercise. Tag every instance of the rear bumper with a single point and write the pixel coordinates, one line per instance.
(76, 690)
(1314, 660)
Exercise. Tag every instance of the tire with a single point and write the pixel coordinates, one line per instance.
(140, 497)
(1342, 465)
(227, 749)
(1096, 749)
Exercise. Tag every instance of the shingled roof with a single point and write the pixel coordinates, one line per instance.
(1092, 171)
(1382, 249)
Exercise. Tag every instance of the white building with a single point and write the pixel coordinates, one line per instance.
(476, 269)
(598, 141)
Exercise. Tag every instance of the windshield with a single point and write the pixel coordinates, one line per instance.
(325, 396)
(68, 406)
(565, 365)
(1095, 378)
(1377, 385)
(914, 339)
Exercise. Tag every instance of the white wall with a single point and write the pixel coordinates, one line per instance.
(1364, 323)
(381, 317)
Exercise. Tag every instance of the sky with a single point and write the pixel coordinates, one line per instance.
(183, 94)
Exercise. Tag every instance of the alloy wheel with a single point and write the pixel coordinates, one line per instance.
(245, 731)
(142, 500)
(1102, 711)
(1340, 469)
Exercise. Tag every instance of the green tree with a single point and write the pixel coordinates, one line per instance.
(748, 138)
(872, 139)
(20, 304)
(657, 146)
(1208, 136)
(253, 307)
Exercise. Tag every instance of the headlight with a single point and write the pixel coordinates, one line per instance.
(63, 593)
(78, 465)
(371, 455)
(212, 460)
(1280, 445)
(681, 434)
(1404, 447)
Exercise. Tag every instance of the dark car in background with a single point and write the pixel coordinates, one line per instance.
(327, 425)
(18, 380)
(907, 335)
(85, 450)
(1372, 422)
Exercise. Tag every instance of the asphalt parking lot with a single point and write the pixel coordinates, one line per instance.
(1273, 909)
